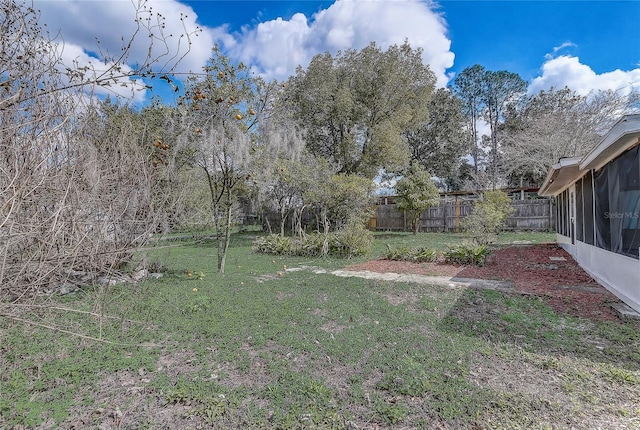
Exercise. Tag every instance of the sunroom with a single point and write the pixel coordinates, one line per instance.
(598, 209)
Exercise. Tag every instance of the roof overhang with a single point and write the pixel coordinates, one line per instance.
(561, 175)
(624, 135)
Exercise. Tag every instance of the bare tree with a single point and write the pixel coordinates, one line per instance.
(557, 123)
(75, 189)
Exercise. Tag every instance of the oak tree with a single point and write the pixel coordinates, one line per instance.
(354, 107)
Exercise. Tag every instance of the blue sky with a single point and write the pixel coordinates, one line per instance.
(586, 45)
(500, 35)
(517, 35)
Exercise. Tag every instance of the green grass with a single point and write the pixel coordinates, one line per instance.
(252, 349)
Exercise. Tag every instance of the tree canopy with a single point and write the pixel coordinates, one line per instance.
(354, 107)
(553, 124)
(440, 142)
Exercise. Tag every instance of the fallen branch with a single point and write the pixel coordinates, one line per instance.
(49, 327)
(60, 308)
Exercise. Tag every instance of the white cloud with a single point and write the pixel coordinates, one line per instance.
(89, 31)
(109, 25)
(557, 49)
(568, 71)
(275, 48)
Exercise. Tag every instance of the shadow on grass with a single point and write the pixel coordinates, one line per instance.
(529, 323)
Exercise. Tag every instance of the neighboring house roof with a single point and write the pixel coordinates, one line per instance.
(624, 135)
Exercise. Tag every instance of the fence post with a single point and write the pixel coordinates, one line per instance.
(404, 220)
(457, 215)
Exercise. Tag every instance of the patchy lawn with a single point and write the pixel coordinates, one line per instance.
(255, 349)
(544, 270)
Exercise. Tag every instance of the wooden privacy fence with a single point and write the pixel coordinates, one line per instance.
(534, 215)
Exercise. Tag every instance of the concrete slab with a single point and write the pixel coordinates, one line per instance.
(625, 311)
(585, 288)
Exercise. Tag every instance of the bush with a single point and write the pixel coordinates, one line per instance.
(352, 240)
(397, 254)
(425, 254)
(488, 217)
(416, 192)
(273, 244)
(310, 245)
(466, 254)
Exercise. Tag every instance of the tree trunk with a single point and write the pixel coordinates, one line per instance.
(223, 233)
(326, 225)
(283, 220)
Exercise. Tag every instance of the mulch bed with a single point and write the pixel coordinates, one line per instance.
(559, 281)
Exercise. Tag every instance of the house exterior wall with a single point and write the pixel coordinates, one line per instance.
(603, 188)
(604, 234)
(617, 273)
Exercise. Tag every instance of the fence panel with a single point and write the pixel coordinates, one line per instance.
(534, 215)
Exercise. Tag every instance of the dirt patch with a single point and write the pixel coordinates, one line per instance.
(125, 400)
(332, 327)
(544, 270)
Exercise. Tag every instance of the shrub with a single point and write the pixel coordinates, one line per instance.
(488, 217)
(397, 254)
(273, 244)
(351, 240)
(467, 254)
(310, 245)
(425, 254)
(416, 192)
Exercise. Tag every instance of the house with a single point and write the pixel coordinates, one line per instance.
(598, 209)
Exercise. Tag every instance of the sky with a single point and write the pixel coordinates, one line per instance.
(585, 45)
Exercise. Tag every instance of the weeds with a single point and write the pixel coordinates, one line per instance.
(250, 349)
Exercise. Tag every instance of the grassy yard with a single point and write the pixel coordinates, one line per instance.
(259, 349)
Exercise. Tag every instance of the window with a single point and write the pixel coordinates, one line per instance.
(566, 215)
(587, 207)
(625, 227)
(617, 204)
(560, 221)
(601, 194)
(579, 211)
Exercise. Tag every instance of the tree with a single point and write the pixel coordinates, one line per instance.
(469, 87)
(288, 188)
(416, 193)
(502, 89)
(216, 118)
(280, 164)
(354, 108)
(339, 200)
(488, 217)
(439, 144)
(75, 182)
(487, 95)
(554, 124)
